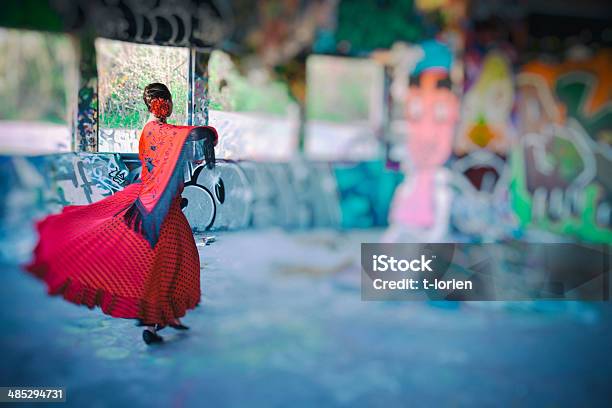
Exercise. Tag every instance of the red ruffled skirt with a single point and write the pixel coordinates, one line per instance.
(90, 256)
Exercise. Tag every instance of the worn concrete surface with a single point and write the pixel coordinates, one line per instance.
(282, 324)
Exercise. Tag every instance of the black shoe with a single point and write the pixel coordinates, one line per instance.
(150, 337)
(179, 327)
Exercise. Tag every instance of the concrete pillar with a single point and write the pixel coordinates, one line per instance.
(198, 83)
(85, 124)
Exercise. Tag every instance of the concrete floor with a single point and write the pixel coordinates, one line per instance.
(282, 323)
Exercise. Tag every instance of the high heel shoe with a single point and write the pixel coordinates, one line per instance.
(150, 337)
(179, 326)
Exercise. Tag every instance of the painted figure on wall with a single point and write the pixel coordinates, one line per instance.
(486, 109)
(421, 203)
(486, 132)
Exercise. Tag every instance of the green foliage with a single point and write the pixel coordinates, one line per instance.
(229, 90)
(124, 69)
(37, 73)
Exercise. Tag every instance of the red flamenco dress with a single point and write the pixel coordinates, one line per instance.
(133, 253)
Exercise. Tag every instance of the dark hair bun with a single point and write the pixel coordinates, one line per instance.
(155, 90)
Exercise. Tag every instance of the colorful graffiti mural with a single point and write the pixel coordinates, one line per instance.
(248, 194)
(365, 190)
(432, 112)
(483, 142)
(296, 195)
(481, 209)
(68, 178)
(35, 186)
(456, 175)
(86, 178)
(562, 167)
(486, 108)
(531, 150)
(233, 195)
(428, 110)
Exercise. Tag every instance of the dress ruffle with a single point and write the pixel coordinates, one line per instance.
(88, 255)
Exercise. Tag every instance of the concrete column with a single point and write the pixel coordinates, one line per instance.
(85, 124)
(198, 95)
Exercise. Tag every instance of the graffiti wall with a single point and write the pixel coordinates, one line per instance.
(562, 168)
(296, 195)
(34, 186)
(486, 107)
(365, 191)
(233, 195)
(65, 179)
(451, 137)
(484, 137)
(248, 194)
(424, 112)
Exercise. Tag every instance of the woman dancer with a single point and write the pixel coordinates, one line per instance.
(133, 253)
